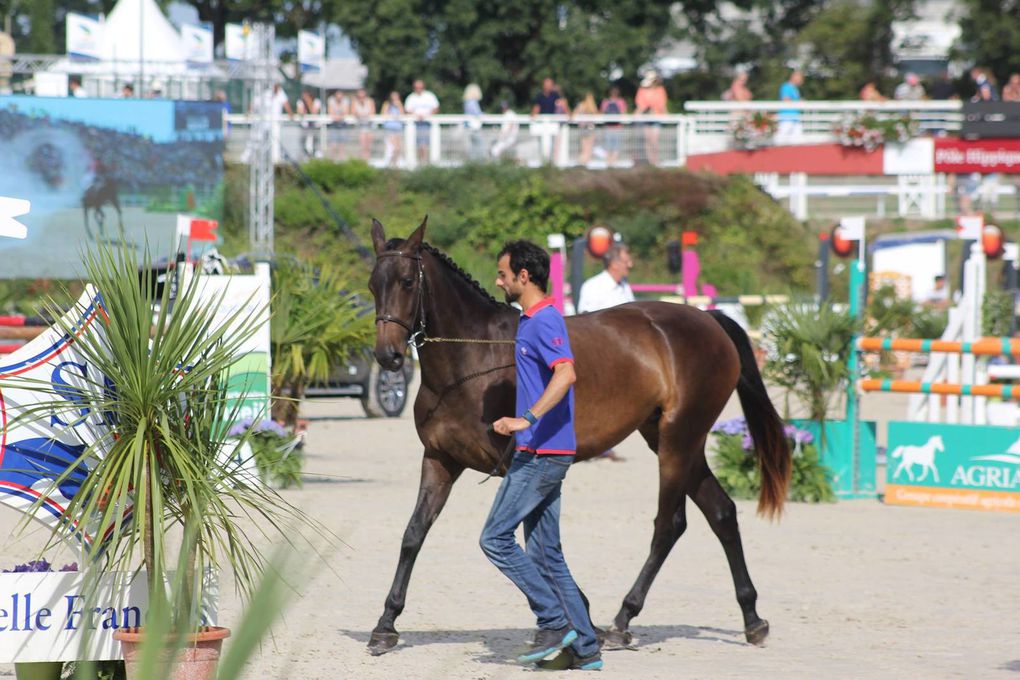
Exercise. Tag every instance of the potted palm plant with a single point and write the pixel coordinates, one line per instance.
(153, 388)
(807, 349)
(316, 326)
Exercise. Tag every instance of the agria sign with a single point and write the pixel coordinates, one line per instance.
(961, 466)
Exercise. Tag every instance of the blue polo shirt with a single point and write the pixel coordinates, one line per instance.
(542, 343)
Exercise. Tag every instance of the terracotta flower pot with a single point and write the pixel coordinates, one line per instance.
(197, 660)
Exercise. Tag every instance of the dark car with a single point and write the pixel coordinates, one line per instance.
(383, 394)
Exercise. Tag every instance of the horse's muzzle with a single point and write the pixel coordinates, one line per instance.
(390, 359)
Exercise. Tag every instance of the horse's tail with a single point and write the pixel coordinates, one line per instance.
(765, 425)
(897, 452)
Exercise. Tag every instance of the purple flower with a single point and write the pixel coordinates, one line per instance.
(38, 566)
(263, 426)
(747, 443)
(803, 437)
(731, 426)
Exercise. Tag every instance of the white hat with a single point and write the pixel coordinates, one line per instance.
(650, 79)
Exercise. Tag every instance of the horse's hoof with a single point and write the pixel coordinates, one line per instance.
(757, 632)
(617, 639)
(382, 642)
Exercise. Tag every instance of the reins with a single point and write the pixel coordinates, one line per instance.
(418, 337)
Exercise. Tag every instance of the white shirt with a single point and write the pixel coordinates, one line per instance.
(601, 291)
(421, 104)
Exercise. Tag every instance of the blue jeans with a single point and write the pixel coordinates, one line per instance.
(530, 493)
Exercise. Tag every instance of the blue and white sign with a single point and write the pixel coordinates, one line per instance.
(198, 43)
(311, 52)
(36, 449)
(84, 35)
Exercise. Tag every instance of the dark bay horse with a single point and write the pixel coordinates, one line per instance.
(102, 191)
(662, 369)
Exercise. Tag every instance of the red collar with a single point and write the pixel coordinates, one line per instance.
(541, 304)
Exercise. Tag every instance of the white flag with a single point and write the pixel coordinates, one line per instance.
(311, 51)
(198, 43)
(84, 34)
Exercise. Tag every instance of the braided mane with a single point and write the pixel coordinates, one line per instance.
(395, 243)
(456, 268)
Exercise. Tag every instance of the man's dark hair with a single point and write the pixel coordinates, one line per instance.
(526, 255)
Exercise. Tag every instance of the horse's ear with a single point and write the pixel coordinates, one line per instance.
(378, 236)
(413, 241)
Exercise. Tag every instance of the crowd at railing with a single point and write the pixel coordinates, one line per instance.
(595, 140)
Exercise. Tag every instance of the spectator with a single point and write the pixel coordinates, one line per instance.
(545, 101)
(362, 107)
(738, 90)
(155, 90)
(943, 87)
(421, 104)
(473, 109)
(309, 105)
(127, 92)
(985, 88)
(938, 296)
(586, 128)
(338, 108)
(910, 89)
(1011, 90)
(75, 88)
(790, 129)
(609, 288)
(508, 131)
(651, 100)
(220, 97)
(614, 105)
(394, 126)
(276, 102)
(870, 93)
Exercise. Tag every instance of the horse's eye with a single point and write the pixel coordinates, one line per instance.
(407, 283)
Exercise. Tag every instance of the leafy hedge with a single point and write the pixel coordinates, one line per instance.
(749, 243)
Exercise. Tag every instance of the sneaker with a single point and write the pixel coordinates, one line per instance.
(567, 660)
(547, 642)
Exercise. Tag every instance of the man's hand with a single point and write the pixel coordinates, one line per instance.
(508, 426)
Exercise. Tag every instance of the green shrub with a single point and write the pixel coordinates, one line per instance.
(736, 467)
(278, 454)
(349, 174)
(997, 312)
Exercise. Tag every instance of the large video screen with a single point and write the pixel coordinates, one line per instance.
(114, 171)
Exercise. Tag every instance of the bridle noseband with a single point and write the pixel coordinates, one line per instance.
(417, 337)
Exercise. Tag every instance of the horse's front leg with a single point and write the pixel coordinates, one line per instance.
(438, 473)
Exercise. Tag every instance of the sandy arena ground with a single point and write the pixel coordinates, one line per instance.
(852, 590)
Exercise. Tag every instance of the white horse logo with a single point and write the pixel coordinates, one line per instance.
(919, 455)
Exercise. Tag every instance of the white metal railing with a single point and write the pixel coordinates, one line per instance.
(595, 141)
(405, 142)
(711, 121)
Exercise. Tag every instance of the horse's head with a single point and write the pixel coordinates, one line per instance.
(397, 283)
(939, 445)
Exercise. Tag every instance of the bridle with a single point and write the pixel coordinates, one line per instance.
(416, 327)
(417, 337)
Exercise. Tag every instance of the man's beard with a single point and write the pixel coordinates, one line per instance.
(511, 297)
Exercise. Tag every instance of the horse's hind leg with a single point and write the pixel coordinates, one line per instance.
(670, 523)
(721, 513)
(438, 473)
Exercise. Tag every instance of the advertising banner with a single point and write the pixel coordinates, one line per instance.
(105, 170)
(311, 52)
(46, 617)
(984, 155)
(954, 466)
(84, 33)
(198, 43)
(237, 43)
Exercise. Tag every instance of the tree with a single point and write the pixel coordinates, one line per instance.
(505, 47)
(990, 33)
(41, 38)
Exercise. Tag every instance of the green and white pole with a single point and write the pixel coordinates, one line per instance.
(853, 229)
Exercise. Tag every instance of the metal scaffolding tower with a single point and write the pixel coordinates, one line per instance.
(265, 130)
